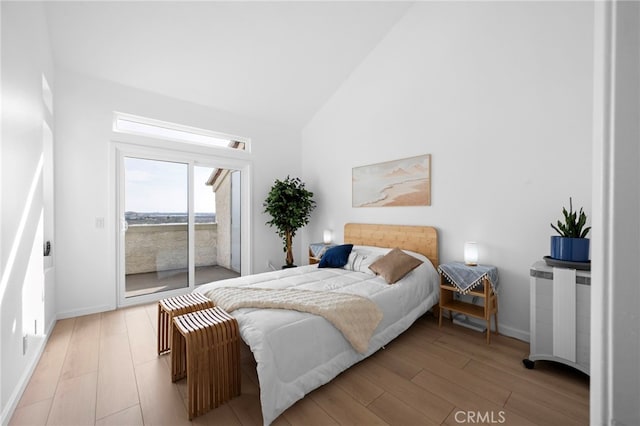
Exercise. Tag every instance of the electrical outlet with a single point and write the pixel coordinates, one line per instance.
(24, 344)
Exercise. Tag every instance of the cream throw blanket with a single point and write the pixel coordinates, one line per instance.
(355, 316)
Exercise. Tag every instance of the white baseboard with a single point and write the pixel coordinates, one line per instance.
(12, 402)
(514, 332)
(85, 311)
(14, 399)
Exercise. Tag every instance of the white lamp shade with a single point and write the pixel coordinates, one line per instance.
(326, 236)
(471, 253)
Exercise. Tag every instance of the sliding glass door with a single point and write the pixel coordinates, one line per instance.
(156, 237)
(179, 225)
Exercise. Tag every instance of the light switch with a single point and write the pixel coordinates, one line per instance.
(100, 222)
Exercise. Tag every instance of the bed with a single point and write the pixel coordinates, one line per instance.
(297, 352)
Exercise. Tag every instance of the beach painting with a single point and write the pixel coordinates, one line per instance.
(405, 182)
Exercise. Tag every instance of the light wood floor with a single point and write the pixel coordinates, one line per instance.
(103, 369)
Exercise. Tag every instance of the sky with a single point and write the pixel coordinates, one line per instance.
(161, 186)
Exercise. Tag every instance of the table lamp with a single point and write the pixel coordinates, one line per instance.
(471, 253)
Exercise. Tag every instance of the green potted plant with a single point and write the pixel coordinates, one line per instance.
(290, 205)
(572, 244)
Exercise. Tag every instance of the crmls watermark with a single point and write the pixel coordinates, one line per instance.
(483, 417)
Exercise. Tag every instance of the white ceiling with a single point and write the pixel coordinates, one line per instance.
(275, 61)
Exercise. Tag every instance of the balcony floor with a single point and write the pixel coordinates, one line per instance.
(155, 282)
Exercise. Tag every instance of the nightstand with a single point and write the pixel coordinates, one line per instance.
(316, 250)
(480, 281)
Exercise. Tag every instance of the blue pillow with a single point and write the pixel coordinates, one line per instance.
(335, 257)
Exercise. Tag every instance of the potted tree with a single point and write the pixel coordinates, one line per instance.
(572, 244)
(290, 205)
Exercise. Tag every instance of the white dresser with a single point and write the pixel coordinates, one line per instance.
(560, 316)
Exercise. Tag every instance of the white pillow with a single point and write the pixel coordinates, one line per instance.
(362, 256)
(373, 253)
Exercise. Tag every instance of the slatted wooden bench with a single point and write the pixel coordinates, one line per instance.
(206, 349)
(172, 307)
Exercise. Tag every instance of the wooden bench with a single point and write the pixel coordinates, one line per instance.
(206, 349)
(172, 307)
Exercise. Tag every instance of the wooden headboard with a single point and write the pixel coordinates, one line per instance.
(421, 239)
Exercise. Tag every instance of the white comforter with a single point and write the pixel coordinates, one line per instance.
(297, 352)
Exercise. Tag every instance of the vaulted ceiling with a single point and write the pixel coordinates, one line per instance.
(273, 61)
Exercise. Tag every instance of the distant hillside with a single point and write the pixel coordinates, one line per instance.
(150, 218)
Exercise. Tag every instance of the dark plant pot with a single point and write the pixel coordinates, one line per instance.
(571, 249)
(289, 266)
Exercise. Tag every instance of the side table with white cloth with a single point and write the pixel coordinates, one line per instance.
(478, 280)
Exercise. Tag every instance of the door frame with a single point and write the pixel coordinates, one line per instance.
(193, 156)
(236, 231)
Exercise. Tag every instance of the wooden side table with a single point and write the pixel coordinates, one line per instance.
(316, 250)
(207, 351)
(480, 281)
(172, 307)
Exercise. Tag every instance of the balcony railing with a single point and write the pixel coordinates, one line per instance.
(164, 247)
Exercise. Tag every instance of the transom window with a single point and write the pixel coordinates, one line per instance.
(143, 126)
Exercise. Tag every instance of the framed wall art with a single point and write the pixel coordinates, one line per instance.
(405, 182)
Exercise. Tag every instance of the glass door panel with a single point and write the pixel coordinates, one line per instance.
(213, 224)
(156, 243)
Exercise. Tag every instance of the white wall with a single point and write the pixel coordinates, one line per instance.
(86, 271)
(26, 56)
(500, 94)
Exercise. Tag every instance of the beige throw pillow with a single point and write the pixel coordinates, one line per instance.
(395, 265)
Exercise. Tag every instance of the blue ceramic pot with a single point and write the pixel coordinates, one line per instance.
(571, 249)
